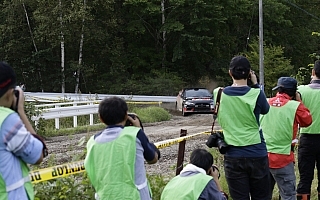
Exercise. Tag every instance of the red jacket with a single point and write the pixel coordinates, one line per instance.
(303, 119)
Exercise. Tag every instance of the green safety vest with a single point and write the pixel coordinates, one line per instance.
(277, 127)
(110, 166)
(237, 120)
(25, 181)
(185, 188)
(311, 99)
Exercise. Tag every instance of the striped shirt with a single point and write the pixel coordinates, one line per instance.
(16, 142)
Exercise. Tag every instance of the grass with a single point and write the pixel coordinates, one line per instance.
(146, 114)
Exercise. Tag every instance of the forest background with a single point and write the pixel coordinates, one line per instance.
(153, 47)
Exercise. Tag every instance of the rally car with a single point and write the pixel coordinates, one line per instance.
(195, 100)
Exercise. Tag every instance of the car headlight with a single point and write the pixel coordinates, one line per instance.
(211, 105)
(189, 103)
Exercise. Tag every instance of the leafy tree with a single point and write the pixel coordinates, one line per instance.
(275, 64)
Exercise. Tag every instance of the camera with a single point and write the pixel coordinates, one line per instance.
(133, 116)
(16, 94)
(217, 140)
(216, 168)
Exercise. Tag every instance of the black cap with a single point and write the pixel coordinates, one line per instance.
(286, 82)
(7, 78)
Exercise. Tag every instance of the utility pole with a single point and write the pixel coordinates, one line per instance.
(261, 54)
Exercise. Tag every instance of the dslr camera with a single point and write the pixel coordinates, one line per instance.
(216, 140)
(16, 94)
(133, 116)
(215, 168)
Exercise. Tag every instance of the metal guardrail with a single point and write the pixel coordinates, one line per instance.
(72, 109)
(58, 97)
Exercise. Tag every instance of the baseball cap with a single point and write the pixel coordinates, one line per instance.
(287, 83)
(7, 78)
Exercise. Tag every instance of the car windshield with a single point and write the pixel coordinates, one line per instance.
(198, 93)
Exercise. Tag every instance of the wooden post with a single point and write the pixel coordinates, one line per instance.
(181, 150)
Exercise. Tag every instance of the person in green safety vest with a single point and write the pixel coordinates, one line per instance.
(19, 144)
(115, 157)
(246, 159)
(280, 127)
(309, 148)
(198, 180)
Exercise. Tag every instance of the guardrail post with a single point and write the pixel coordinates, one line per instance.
(75, 118)
(91, 116)
(180, 159)
(56, 120)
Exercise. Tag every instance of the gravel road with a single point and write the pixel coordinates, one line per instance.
(64, 149)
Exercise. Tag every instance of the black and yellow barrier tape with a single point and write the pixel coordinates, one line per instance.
(58, 171)
(67, 169)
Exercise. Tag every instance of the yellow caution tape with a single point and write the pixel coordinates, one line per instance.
(59, 171)
(166, 143)
(59, 100)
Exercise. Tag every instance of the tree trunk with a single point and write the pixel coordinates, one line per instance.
(34, 43)
(164, 48)
(62, 51)
(80, 54)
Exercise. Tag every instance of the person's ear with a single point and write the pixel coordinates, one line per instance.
(100, 118)
(313, 73)
(230, 73)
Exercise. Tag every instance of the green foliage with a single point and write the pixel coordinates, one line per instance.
(157, 183)
(76, 186)
(152, 114)
(139, 47)
(304, 74)
(275, 64)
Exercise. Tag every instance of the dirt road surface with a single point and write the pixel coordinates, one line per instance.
(64, 149)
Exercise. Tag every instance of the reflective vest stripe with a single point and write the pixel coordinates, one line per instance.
(18, 184)
(143, 185)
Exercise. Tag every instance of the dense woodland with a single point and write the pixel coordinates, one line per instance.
(153, 47)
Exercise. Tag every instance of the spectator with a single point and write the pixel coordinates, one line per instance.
(309, 149)
(17, 144)
(115, 157)
(197, 180)
(280, 127)
(246, 160)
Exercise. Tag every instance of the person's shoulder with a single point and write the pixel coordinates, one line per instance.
(218, 88)
(302, 87)
(12, 118)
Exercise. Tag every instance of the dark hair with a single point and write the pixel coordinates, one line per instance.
(113, 110)
(201, 158)
(291, 92)
(7, 78)
(240, 67)
(317, 68)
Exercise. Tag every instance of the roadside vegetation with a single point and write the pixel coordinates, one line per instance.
(46, 128)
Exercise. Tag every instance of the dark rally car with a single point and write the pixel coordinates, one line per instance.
(195, 100)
